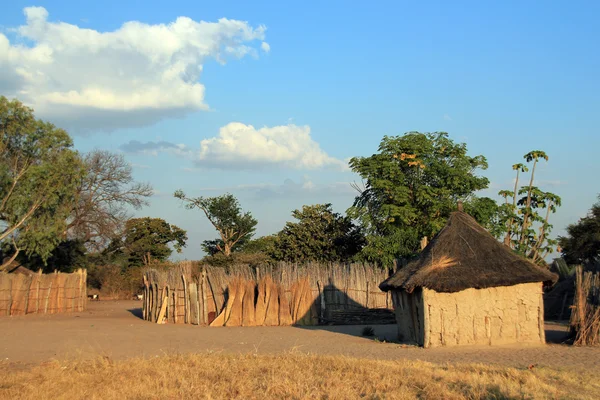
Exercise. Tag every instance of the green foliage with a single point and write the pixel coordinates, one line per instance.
(234, 226)
(410, 188)
(146, 240)
(527, 208)
(39, 175)
(582, 243)
(115, 282)
(488, 214)
(68, 256)
(560, 267)
(238, 259)
(318, 235)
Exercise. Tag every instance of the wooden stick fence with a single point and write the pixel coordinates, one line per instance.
(585, 318)
(42, 293)
(332, 294)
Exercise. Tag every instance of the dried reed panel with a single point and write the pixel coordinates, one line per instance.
(234, 313)
(249, 311)
(272, 302)
(261, 303)
(285, 315)
(29, 294)
(585, 319)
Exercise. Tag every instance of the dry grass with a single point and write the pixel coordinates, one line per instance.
(288, 376)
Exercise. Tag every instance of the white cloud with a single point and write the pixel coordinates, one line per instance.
(243, 146)
(447, 117)
(135, 75)
(265, 47)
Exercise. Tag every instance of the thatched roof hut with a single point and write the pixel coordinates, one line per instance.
(468, 288)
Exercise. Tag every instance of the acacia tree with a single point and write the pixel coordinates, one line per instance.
(526, 206)
(582, 243)
(409, 189)
(318, 235)
(39, 174)
(145, 240)
(103, 196)
(234, 226)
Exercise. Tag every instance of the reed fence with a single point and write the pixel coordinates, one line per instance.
(585, 318)
(310, 294)
(42, 293)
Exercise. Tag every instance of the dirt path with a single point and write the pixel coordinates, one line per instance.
(112, 329)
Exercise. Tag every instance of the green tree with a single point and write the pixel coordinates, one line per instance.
(525, 208)
(39, 174)
(318, 235)
(582, 243)
(148, 239)
(234, 226)
(409, 189)
(488, 214)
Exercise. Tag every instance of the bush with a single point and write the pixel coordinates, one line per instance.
(114, 282)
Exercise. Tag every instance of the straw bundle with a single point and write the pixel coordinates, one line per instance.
(272, 296)
(235, 311)
(285, 316)
(261, 303)
(248, 305)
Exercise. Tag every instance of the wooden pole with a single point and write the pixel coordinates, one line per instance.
(37, 297)
(163, 310)
(48, 297)
(175, 305)
(186, 302)
(204, 298)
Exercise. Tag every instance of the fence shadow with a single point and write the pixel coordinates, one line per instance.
(136, 312)
(338, 313)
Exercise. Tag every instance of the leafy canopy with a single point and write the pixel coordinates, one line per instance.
(525, 214)
(149, 239)
(318, 235)
(409, 189)
(234, 226)
(39, 175)
(582, 243)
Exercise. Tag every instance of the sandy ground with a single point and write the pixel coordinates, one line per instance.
(113, 329)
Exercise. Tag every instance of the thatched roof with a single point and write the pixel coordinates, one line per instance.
(464, 255)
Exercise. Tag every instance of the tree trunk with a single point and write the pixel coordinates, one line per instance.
(526, 216)
(510, 223)
(10, 260)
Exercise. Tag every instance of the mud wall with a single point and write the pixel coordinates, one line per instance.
(499, 315)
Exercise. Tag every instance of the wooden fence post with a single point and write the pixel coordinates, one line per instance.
(204, 298)
(186, 302)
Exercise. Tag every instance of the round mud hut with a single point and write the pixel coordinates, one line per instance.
(466, 288)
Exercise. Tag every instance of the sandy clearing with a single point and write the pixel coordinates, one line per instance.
(112, 329)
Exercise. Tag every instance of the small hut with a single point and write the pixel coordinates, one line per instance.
(466, 288)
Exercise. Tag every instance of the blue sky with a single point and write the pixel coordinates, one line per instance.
(270, 101)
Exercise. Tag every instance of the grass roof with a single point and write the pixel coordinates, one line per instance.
(464, 255)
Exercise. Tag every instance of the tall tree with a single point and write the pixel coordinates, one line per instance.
(105, 193)
(39, 174)
(319, 234)
(528, 207)
(147, 239)
(534, 156)
(225, 214)
(582, 243)
(409, 189)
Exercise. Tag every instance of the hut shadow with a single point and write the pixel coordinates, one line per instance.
(136, 312)
(336, 312)
(558, 335)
